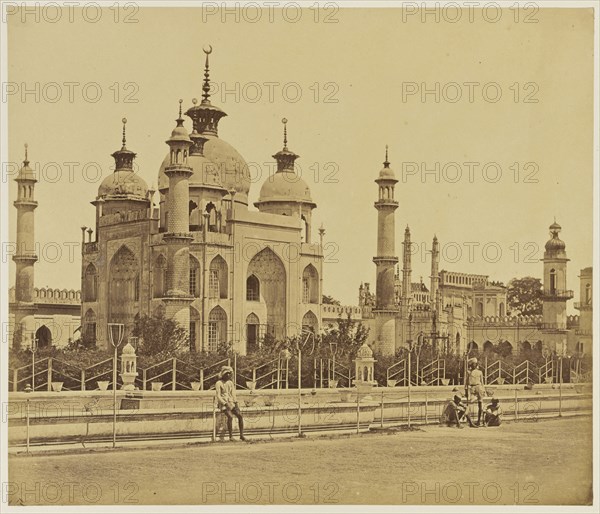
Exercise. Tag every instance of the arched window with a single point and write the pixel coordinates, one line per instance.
(44, 337)
(552, 280)
(194, 277)
(472, 347)
(480, 309)
(90, 283)
(501, 311)
(310, 285)
(217, 328)
(588, 293)
(488, 346)
(252, 332)
(159, 277)
(252, 289)
(217, 279)
(123, 287)
(310, 322)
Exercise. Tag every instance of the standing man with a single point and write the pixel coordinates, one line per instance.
(474, 385)
(227, 401)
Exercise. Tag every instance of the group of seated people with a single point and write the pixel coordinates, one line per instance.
(456, 412)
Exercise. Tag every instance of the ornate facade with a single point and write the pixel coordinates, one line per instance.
(226, 272)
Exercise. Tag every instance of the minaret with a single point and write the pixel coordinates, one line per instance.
(178, 236)
(25, 256)
(555, 296)
(434, 296)
(385, 310)
(406, 268)
(386, 245)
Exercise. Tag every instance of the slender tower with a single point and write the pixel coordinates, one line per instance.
(25, 256)
(434, 297)
(385, 311)
(555, 296)
(406, 268)
(178, 237)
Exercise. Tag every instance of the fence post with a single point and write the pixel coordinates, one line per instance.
(144, 379)
(514, 375)
(202, 379)
(49, 385)
(83, 379)
(234, 369)
(485, 377)
(314, 373)
(174, 384)
(426, 409)
(15, 379)
(516, 406)
(381, 422)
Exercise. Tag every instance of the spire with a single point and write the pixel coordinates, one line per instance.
(386, 163)
(26, 160)
(206, 85)
(285, 158)
(205, 116)
(123, 157)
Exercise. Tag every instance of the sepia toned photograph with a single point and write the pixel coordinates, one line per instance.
(299, 256)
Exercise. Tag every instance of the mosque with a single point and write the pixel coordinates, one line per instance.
(231, 274)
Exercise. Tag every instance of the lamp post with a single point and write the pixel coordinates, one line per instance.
(28, 389)
(333, 346)
(116, 331)
(33, 348)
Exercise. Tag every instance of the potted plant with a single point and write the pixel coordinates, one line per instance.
(196, 386)
(57, 386)
(332, 384)
(251, 400)
(251, 384)
(103, 385)
(548, 379)
(500, 380)
(391, 383)
(157, 386)
(445, 381)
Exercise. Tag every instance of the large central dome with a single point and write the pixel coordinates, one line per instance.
(221, 165)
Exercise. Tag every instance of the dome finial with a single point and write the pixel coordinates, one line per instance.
(284, 121)
(386, 163)
(206, 86)
(124, 121)
(180, 102)
(26, 161)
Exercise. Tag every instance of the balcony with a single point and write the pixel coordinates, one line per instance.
(581, 306)
(583, 332)
(553, 326)
(90, 247)
(557, 294)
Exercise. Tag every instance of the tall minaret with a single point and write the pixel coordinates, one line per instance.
(435, 276)
(386, 245)
(406, 268)
(555, 296)
(385, 311)
(178, 236)
(25, 256)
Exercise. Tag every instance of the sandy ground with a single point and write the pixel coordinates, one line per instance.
(547, 462)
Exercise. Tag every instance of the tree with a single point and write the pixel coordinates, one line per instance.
(160, 336)
(349, 336)
(524, 296)
(329, 300)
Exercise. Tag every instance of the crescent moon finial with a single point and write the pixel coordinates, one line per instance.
(207, 49)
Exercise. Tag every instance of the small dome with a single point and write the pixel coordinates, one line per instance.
(26, 173)
(364, 352)
(123, 183)
(387, 173)
(285, 186)
(180, 134)
(128, 349)
(555, 226)
(555, 244)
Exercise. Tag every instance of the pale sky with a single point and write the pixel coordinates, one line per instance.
(364, 61)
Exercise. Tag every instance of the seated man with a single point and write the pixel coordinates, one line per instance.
(492, 414)
(455, 412)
